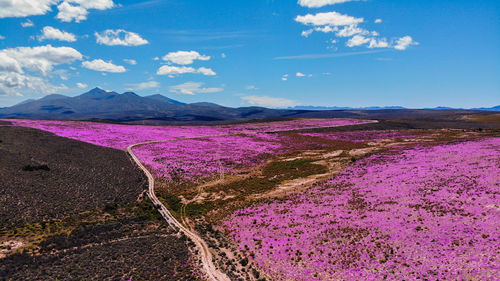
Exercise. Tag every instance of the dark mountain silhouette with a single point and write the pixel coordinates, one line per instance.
(98, 104)
(163, 99)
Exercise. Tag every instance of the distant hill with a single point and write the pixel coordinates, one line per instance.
(310, 107)
(164, 99)
(98, 104)
(494, 108)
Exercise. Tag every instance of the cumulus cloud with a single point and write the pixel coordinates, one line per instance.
(2, 37)
(175, 70)
(130, 61)
(184, 57)
(144, 85)
(24, 8)
(9, 64)
(401, 44)
(120, 37)
(27, 23)
(378, 43)
(404, 42)
(14, 62)
(268, 101)
(352, 30)
(329, 18)
(306, 33)
(206, 71)
(172, 71)
(320, 3)
(192, 88)
(100, 65)
(77, 10)
(81, 85)
(357, 40)
(15, 84)
(300, 74)
(68, 10)
(39, 59)
(284, 77)
(345, 26)
(50, 32)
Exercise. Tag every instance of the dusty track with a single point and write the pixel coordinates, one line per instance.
(206, 257)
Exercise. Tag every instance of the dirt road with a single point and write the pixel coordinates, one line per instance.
(206, 256)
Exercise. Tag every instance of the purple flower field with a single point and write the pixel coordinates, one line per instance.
(428, 213)
(120, 136)
(189, 159)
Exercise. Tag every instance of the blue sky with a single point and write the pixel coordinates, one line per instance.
(271, 53)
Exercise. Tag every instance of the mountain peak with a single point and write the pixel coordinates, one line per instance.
(163, 98)
(130, 94)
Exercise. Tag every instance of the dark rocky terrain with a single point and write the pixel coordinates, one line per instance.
(74, 211)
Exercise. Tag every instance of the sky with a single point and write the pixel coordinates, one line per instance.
(278, 53)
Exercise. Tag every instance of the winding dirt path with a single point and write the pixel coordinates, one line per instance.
(206, 256)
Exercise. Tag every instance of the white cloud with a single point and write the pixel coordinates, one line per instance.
(144, 85)
(206, 71)
(49, 32)
(300, 74)
(24, 8)
(378, 43)
(27, 23)
(345, 26)
(268, 101)
(326, 29)
(306, 33)
(330, 18)
(15, 84)
(284, 77)
(100, 65)
(156, 58)
(192, 88)
(351, 30)
(172, 71)
(69, 13)
(81, 85)
(175, 70)
(42, 59)
(184, 57)
(223, 55)
(120, 37)
(130, 61)
(2, 37)
(39, 59)
(357, 40)
(9, 64)
(404, 42)
(320, 3)
(77, 10)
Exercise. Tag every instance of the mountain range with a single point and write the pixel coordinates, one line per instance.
(98, 104)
